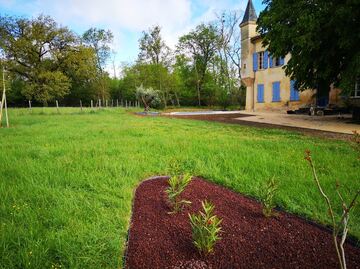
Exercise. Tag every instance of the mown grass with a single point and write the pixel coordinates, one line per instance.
(67, 180)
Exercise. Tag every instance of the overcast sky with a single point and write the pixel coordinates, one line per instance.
(127, 18)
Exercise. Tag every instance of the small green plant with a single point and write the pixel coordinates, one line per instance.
(269, 191)
(205, 228)
(177, 185)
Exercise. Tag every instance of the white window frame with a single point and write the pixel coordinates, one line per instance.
(357, 90)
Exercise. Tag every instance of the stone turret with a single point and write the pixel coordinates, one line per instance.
(248, 31)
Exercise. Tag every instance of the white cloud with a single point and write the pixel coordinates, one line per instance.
(133, 15)
(127, 18)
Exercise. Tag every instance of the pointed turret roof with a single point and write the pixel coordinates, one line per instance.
(250, 13)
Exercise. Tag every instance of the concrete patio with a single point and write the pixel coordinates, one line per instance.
(334, 123)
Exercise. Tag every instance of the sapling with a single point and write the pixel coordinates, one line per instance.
(177, 185)
(205, 228)
(340, 226)
(148, 96)
(267, 199)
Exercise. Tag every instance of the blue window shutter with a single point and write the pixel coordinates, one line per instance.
(276, 91)
(255, 62)
(260, 93)
(282, 61)
(294, 93)
(266, 59)
(271, 63)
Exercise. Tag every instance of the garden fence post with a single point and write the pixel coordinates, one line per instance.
(117, 102)
(6, 113)
(57, 106)
(99, 103)
(126, 104)
(80, 106)
(29, 105)
(92, 104)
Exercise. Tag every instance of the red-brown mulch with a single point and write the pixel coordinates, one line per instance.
(249, 240)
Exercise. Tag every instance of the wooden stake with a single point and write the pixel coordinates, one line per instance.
(117, 102)
(3, 102)
(6, 113)
(80, 106)
(57, 106)
(92, 104)
(112, 102)
(126, 104)
(99, 103)
(29, 105)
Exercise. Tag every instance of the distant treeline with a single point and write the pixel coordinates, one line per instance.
(45, 62)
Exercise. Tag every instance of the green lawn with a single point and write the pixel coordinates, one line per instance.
(67, 181)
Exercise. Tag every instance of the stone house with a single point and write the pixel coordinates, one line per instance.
(267, 86)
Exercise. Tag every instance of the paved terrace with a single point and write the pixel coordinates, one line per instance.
(323, 126)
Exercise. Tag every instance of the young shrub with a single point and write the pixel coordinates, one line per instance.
(148, 96)
(177, 185)
(339, 226)
(205, 228)
(269, 191)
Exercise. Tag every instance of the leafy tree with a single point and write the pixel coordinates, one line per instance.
(153, 48)
(49, 85)
(34, 50)
(80, 67)
(322, 37)
(99, 40)
(201, 44)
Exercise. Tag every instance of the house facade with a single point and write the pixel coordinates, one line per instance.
(267, 86)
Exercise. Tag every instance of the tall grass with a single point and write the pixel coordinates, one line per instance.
(67, 180)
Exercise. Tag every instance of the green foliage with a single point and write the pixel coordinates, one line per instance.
(320, 37)
(205, 228)
(148, 96)
(177, 184)
(201, 44)
(48, 62)
(268, 192)
(152, 47)
(99, 40)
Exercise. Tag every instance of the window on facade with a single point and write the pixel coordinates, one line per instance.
(261, 60)
(276, 62)
(276, 91)
(260, 93)
(357, 89)
(294, 92)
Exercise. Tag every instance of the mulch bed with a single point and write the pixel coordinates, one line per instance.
(234, 119)
(249, 240)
